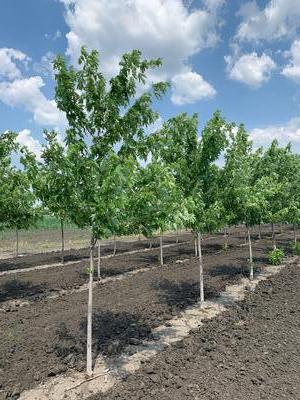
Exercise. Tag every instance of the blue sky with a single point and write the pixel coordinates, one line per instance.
(237, 56)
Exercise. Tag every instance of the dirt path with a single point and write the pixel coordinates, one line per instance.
(248, 353)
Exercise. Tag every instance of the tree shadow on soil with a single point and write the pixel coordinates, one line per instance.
(14, 289)
(179, 295)
(112, 332)
(229, 271)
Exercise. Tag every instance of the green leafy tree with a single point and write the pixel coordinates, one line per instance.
(18, 208)
(118, 176)
(22, 211)
(293, 211)
(103, 116)
(243, 197)
(276, 168)
(192, 162)
(158, 203)
(7, 147)
(52, 179)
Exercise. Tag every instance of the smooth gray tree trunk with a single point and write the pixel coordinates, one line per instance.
(62, 241)
(17, 242)
(196, 246)
(150, 243)
(161, 249)
(273, 237)
(115, 245)
(259, 231)
(89, 361)
(99, 260)
(295, 233)
(250, 253)
(200, 270)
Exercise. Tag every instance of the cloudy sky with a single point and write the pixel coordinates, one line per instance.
(237, 56)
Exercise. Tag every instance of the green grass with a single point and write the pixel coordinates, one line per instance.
(48, 222)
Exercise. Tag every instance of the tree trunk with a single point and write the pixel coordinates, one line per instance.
(250, 253)
(295, 233)
(200, 270)
(115, 245)
(259, 231)
(99, 260)
(62, 241)
(150, 243)
(273, 237)
(161, 249)
(89, 361)
(17, 242)
(195, 243)
(226, 240)
(139, 236)
(176, 236)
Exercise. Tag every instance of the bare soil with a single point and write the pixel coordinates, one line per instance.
(48, 337)
(35, 285)
(250, 352)
(52, 257)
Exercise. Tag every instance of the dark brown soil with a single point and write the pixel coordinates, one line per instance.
(52, 257)
(48, 337)
(248, 353)
(34, 285)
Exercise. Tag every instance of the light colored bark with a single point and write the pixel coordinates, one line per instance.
(250, 253)
(176, 236)
(62, 241)
(201, 283)
(115, 245)
(89, 361)
(161, 249)
(259, 231)
(295, 233)
(17, 242)
(99, 260)
(226, 238)
(150, 243)
(196, 246)
(273, 237)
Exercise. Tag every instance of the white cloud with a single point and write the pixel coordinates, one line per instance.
(8, 63)
(189, 87)
(27, 93)
(292, 70)
(45, 66)
(25, 138)
(285, 133)
(251, 69)
(279, 19)
(53, 36)
(159, 28)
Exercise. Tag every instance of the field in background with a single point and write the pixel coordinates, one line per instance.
(46, 236)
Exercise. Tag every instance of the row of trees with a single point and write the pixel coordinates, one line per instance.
(112, 177)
